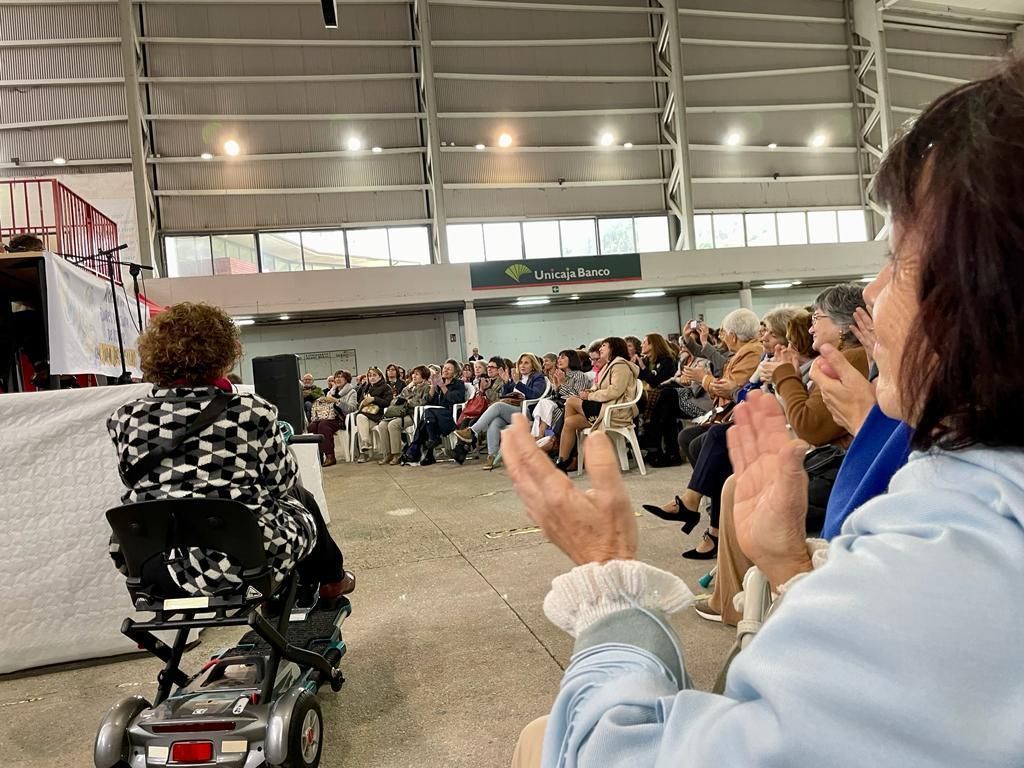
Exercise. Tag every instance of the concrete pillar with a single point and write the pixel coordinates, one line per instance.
(746, 298)
(470, 328)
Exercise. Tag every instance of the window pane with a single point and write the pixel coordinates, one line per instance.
(578, 237)
(792, 228)
(853, 226)
(465, 243)
(761, 229)
(821, 225)
(188, 256)
(281, 251)
(702, 231)
(728, 230)
(616, 235)
(324, 250)
(409, 245)
(367, 247)
(503, 242)
(651, 234)
(541, 240)
(234, 254)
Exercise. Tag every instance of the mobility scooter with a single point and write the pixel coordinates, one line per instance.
(251, 705)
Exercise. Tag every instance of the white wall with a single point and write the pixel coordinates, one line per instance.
(113, 195)
(509, 332)
(407, 341)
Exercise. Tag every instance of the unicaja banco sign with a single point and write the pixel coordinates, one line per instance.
(538, 272)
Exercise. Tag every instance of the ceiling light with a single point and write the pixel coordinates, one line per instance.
(773, 145)
(733, 139)
(504, 140)
(532, 302)
(59, 161)
(606, 139)
(376, 150)
(797, 282)
(480, 147)
(819, 140)
(244, 321)
(354, 144)
(330, 9)
(648, 294)
(232, 147)
(628, 145)
(771, 286)
(285, 317)
(574, 297)
(206, 156)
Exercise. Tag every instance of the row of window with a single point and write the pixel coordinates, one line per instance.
(225, 254)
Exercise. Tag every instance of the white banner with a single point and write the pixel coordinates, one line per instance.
(80, 322)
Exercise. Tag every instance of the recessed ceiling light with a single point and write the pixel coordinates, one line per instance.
(244, 321)
(285, 317)
(819, 140)
(376, 150)
(574, 297)
(606, 139)
(771, 286)
(648, 294)
(504, 140)
(532, 302)
(206, 156)
(628, 145)
(773, 145)
(733, 139)
(59, 161)
(480, 146)
(232, 147)
(354, 144)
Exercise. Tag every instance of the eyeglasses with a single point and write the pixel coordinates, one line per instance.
(819, 316)
(489, 367)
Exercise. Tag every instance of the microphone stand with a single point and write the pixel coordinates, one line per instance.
(134, 270)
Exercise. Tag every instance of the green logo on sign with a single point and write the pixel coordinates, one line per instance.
(516, 271)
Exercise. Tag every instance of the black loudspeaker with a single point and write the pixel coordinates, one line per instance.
(276, 379)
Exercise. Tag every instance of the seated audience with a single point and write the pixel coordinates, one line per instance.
(550, 365)
(374, 396)
(616, 385)
(186, 352)
(529, 385)
(633, 350)
(467, 373)
(394, 379)
(329, 413)
(874, 646)
(446, 390)
(549, 413)
(493, 381)
(310, 392)
(657, 366)
(702, 342)
(398, 415)
(479, 373)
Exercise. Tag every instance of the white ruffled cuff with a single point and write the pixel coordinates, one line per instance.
(590, 592)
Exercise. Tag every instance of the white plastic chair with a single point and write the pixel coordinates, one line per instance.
(353, 437)
(544, 394)
(620, 436)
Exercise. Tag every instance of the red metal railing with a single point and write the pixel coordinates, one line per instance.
(66, 223)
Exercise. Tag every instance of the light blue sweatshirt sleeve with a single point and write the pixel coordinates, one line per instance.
(902, 650)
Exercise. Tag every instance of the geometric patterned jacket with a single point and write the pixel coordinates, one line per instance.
(241, 456)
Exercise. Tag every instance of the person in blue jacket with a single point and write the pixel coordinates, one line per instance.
(530, 385)
(896, 643)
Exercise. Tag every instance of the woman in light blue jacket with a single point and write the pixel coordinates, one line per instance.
(898, 643)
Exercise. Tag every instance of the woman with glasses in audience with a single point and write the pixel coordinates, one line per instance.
(394, 379)
(398, 415)
(329, 414)
(446, 390)
(904, 627)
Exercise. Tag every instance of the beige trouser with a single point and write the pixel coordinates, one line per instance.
(530, 745)
(732, 563)
(390, 433)
(363, 427)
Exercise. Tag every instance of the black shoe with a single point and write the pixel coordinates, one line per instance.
(711, 554)
(428, 458)
(563, 464)
(688, 517)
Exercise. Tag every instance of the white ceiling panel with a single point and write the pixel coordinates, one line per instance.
(539, 203)
(467, 167)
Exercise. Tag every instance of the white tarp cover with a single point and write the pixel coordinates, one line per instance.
(80, 322)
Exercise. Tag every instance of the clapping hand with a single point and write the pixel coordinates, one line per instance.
(864, 329)
(846, 393)
(593, 526)
(770, 505)
(694, 373)
(704, 332)
(722, 388)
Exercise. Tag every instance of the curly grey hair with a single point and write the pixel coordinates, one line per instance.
(839, 302)
(742, 322)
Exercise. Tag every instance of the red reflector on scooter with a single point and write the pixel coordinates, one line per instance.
(203, 727)
(192, 752)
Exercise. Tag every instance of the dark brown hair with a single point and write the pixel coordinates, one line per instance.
(798, 333)
(422, 370)
(659, 347)
(573, 357)
(190, 343)
(342, 374)
(617, 347)
(955, 181)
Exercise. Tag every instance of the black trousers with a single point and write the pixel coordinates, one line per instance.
(690, 440)
(325, 564)
(438, 422)
(662, 431)
(712, 468)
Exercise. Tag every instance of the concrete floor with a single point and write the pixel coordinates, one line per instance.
(449, 650)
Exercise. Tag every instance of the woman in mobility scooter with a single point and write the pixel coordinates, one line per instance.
(214, 526)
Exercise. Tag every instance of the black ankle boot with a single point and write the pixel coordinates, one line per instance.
(563, 464)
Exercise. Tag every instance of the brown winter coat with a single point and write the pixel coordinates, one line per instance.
(616, 384)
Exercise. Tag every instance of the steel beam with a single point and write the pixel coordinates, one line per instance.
(766, 73)
(287, 117)
(345, 154)
(432, 128)
(230, 79)
(490, 77)
(555, 184)
(130, 64)
(749, 16)
(720, 43)
(556, 7)
(278, 42)
(33, 124)
(289, 191)
(61, 81)
(59, 42)
(681, 190)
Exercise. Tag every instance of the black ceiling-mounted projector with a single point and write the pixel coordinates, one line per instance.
(330, 13)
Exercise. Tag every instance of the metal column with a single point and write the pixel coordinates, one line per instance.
(131, 64)
(673, 124)
(435, 176)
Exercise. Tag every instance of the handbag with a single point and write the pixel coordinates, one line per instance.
(396, 411)
(822, 466)
(370, 410)
(322, 410)
(476, 406)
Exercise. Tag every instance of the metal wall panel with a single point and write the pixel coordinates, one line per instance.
(484, 95)
(200, 60)
(815, 88)
(53, 103)
(766, 163)
(34, 22)
(551, 131)
(285, 211)
(60, 62)
(760, 29)
(459, 23)
(830, 8)
(84, 142)
(285, 98)
(517, 168)
(764, 128)
(572, 60)
(355, 172)
(540, 203)
(703, 59)
(776, 194)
